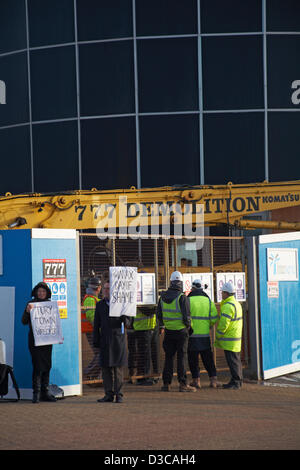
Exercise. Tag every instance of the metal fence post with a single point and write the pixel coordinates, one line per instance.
(167, 267)
(175, 253)
(156, 266)
(212, 270)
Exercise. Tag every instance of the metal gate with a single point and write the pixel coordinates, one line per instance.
(162, 257)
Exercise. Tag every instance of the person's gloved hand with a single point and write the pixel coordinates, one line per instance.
(191, 331)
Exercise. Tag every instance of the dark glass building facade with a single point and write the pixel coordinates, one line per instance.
(119, 93)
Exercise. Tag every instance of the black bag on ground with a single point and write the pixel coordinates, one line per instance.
(56, 391)
(5, 372)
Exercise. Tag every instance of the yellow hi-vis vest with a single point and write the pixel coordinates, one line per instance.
(203, 315)
(88, 312)
(171, 314)
(230, 325)
(143, 322)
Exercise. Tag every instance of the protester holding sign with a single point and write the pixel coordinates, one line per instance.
(41, 355)
(109, 336)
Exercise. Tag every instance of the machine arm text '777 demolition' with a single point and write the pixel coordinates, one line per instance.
(222, 204)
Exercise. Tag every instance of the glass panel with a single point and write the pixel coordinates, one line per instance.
(234, 148)
(284, 161)
(159, 17)
(232, 72)
(106, 78)
(283, 15)
(230, 16)
(15, 176)
(12, 25)
(283, 71)
(50, 22)
(104, 19)
(53, 83)
(14, 87)
(108, 153)
(168, 75)
(169, 150)
(55, 154)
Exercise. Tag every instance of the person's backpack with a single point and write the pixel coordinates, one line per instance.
(5, 372)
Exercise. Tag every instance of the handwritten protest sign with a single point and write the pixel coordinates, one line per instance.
(123, 291)
(46, 324)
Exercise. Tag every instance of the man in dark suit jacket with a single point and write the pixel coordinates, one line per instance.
(109, 336)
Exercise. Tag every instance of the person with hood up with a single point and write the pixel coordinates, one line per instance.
(41, 355)
(174, 316)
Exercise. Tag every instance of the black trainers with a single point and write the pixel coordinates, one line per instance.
(119, 399)
(46, 396)
(105, 399)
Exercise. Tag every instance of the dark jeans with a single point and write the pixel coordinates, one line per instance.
(112, 381)
(235, 365)
(143, 339)
(155, 349)
(132, 352)
(175, 342)
(207, 359)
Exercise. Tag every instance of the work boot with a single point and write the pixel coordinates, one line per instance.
(45, 394)
(165, 388)
(214, 383)
(186, 388)
(36, 386)
(233, 385)
(196, 383)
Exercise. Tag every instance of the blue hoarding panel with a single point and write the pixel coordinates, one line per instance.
(280, 315)
(65, 357)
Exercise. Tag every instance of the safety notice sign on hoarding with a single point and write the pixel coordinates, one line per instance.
(146, 292)
(55, 276)
(237, 279)
(206, 281)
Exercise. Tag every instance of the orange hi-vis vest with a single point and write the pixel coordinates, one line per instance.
(88, 308)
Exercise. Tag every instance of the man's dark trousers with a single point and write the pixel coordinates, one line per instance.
(112, 381)
(175, 341)
(235, 365)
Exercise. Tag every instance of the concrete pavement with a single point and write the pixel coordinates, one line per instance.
(255, 417)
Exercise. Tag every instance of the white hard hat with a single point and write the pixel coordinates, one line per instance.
(176, 276)
(228, 287)
(197, 283)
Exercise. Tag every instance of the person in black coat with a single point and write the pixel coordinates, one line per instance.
(109, 336)
(41, 355)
